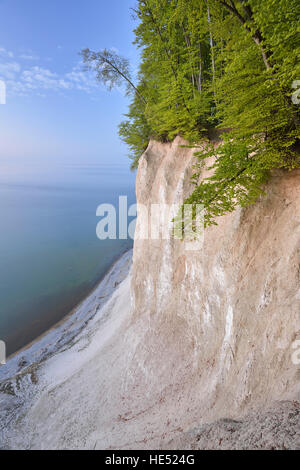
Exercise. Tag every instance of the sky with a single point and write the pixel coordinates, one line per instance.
(55, 112)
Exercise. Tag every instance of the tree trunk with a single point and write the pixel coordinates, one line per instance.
(212, 53)
(257, 36)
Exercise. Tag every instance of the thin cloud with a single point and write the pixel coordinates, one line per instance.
(29, 57)
(5, 53)
(9, 70)
(81, 80)
(38, 78)
(22, 80)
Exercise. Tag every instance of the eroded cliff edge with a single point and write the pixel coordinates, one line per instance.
(192, 350)
(216, 326)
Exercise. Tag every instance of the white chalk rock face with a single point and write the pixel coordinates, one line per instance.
(215, 327)
(189, 338)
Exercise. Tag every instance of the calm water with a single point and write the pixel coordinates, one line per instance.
(50, 256)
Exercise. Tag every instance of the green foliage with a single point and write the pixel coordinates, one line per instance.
(236, 177)
(215, 63)
(253, 90)
(174, 49)
(135, 131)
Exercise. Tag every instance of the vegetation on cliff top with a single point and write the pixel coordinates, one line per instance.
(206, 64)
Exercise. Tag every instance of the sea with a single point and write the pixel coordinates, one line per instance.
(50, 255)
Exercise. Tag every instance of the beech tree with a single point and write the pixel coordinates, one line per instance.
(227, 64)
(111, 69)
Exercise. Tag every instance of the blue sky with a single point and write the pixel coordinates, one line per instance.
(54, 111)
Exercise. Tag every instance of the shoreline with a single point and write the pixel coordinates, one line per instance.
(94, 284)
(50, 337)
(21, 395)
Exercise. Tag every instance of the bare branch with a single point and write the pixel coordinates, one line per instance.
(111, 69)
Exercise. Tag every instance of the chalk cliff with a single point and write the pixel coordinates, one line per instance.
(193, 350)
(215, 327)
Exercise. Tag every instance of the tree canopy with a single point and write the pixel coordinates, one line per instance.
(206, 64)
